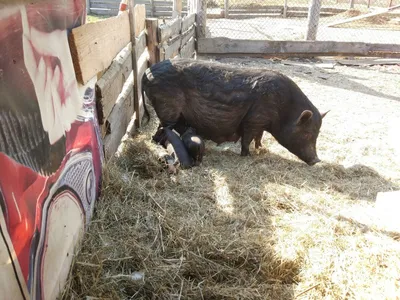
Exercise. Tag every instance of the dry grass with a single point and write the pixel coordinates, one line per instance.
(384, 21)
(261, 227)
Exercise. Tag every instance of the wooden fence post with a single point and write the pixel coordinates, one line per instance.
(351, 3)
(313, 19)
(285, 9)
(151, 8)
(152, 40)
(87, 7)
(226, 9)
(199, 7)
(131, 6)
(176, 8)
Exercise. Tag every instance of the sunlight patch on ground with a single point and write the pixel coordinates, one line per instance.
(222, 195)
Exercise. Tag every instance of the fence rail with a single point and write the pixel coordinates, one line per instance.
(154, 8)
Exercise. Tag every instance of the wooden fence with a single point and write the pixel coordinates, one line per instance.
(274, 11)
(154, 8)
(117, 51)
(177, 38)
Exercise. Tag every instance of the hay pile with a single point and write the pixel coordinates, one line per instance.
(260, 227)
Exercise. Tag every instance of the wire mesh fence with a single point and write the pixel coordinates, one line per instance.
(287, 20)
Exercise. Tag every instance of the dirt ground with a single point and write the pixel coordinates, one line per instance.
(261, 227)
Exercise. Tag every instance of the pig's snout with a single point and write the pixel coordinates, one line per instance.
(313, 161)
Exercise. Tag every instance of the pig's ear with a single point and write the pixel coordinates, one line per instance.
(324, 114)
(304, 117)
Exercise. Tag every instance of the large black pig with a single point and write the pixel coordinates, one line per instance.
(225, 103)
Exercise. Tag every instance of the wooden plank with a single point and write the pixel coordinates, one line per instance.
(382, 11)
(226, 8)
(128, 134)
(160, 3)
(313, 20)
(188, 21)
(119, 118)
(172, 50)
(139, 17)
(188, 49)
(257, 10)
(152, 40)
(96, 2)
(93, 46)
(140, 46)
(110, 84)
(164, 9)
(168, 30)
(162, 14)
(139, 59)
(262, 7)
(187, 35)
(309, 48)
(133, 25)
(106, 5)
(368, 62)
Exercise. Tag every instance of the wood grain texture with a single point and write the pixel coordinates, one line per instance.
(152, 40)
(140, 46)
(139, 18)
(167, 31)
(171, 50)
(188, 35)
(119, 118)
(93, 46)
(188, 49)
(110, 84)
(142, 65)
(188, 21)
(308, 48)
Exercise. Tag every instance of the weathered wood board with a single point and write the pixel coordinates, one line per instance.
(139, 18)
(173, 49)
(110, 84)
(142, 65)
(169, 30)
(188, 49)
(93, 46)
(119, 118)
(188, 21)
(311, 48)
(140, 46)
(186, 36)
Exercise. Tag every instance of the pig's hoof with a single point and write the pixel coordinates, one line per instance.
(245, 153)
